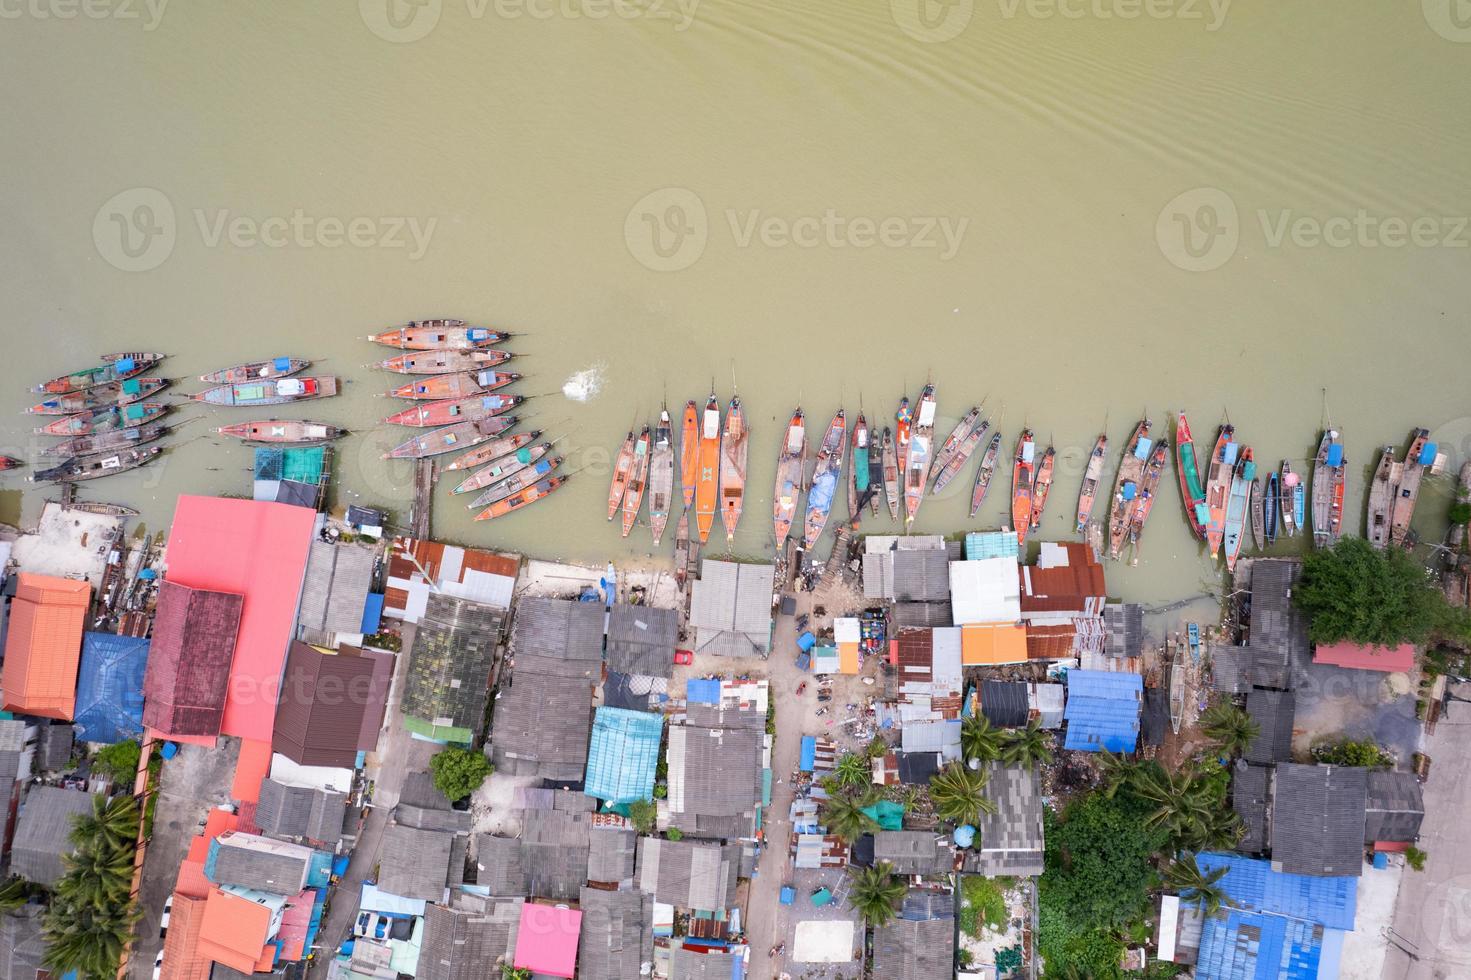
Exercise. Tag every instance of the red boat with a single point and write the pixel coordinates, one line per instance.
(461, 435)
(438, 335)
(1023, 474)
(445, 361)
(461, 385)
(9, 463)
(1197, 514)
(287, 431)
(455, 410)
(116, 367)
(528, 496)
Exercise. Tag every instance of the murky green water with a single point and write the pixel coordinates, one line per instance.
(1075, 211)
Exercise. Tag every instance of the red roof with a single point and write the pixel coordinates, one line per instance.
(1358, 656)
(188, 674)
(1073, 582)
(44, 645)
(546, 940)
(234, 930)
(1050, 642)
(295, 922)
(191, 880)
(256, 549)
(181, 957)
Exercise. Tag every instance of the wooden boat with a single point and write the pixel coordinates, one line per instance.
(921, 455)
(426, 414)
(825, 479)
(858, 492)
(707, 484)
(1420, 455)
(1292, 501)
(525, 498)
(734, 447)
(80, 468)
(1192, 634)
(115, 368)
(1382, 490)
(106, 442)
(682, 548)
(1329, 475)
(1271, 508)
(104, 419)
(689, 452)
(1149, 479)
(875, 471)
(789, 477)
(890, 453)
(10, 463)
(638, 480)
(1237, 506)
(292, 431)
(956, 439)
(1258, 515)
(516, 482)
(1126, 487)
(109, 395)
(622, 473)
(1187, 466)
(1218, 487)
(661, 475)
(461, 435)
(502, 467)
(445, 361)
(1042, 485)
(494, 449)
(1023, 480)
(438, 335)
(984, 471)
(1092, 477)
(1177, 694)
(276, 367)
(276, 392)
(960, 457)
(462, 385)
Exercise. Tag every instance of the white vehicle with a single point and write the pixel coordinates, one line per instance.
(163, 922)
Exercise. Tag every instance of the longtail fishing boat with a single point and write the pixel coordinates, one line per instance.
(1330, 471)
(275, 392)
(109, 395)
(1258, 516)
(438, 387)
(1178, 693)
(734, 447)
(1237, 506)
(689, 452)
(1092, 477)
(1042, 485)
(426, 414)
(10, 463)
(1382, 490)
(1418, 458)
(707, 485)
(1192, 493)
(1293, 501)
(682, 547)
(500, 468)
(961, 456)
(661, 475)
(494, 449)
(825, 477)
(515, 482)
(984, 471)
(283, 431)
(276, 367)
(103, 442)
(789, 477)
(438, 335)
(1023, 479)
(875, 471)
(1126, 487)
(1192, 634)
(955, 440)
(116, 367)
(638, 480)
(80, 468)
(622, 471)
(445, 361)
(525, 498)
(1271, 507)
(903, 427)
(1218, 486)
(104, 419)
(461, 435)
(921, 455)
(1148, 493)
(858, 492)
(890, 453)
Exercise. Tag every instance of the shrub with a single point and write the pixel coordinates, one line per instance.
(674, 833)
(1351, 753)
(643, 814)
(982, 903)
(1415, 857)
(459, 772)
(119, 762)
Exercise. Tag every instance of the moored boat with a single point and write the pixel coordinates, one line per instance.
(1292, 501)
(1126, 487)
(707, 484)
(516, 482)
(1419, 457)
(425, 414)
(1271, 507)
(1192, 635)
(1042, 485)
(1148, 493)
(858, 491)
(689, 452)
(1187, 467)
(293, 431)
(1237, 506)
(789, 477)
(955, 440)
(1329, 476)
(270, 392)
(526, 497)
(1218, 486)
(984, 471)
(1023, 478)
(638, 480)
(10, 463)
(825, 477)
(438, 387)
(1382, 489)
(108, 395)
(494, 449)
(80, 468)
(105, 442)
(445, 361)
(961, 456)
(276, 367)
(921, 455)
(734, 447)
(875, 471)
(890, 453)
(1258, 515)
(661, 475)
(1092, 477)
(461, 435)
(438, 335)
(115, 368)
(622, 472)
(104, 419)
(498, 469)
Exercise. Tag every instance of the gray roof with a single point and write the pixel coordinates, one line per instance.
(541, 726)
(921, 614)
(617, 936)
(468, 941)
(689, 874)
(1009, 841)
(1273, 713)
(419, 790)
(560, 629)
(1250, 800)
(714, 780)
(421, 805)
(46, 818)
(927, 903)
(1279, 631)
(685, 963)
(274, 871)
(9, 774)
(921, 576)
(1231, 669)
(909, 949)
(12, 735)
(610, 854)
(1318, 819)
(554, 851)
(730, 608)
(1004, 703)
(335, 588)
(56, 747)
(913, 852)
(1124, 623)
(21, 945)
(1396, 806)
(299, 811)
(641, 640)
(414, 863)
(449, 664)
(499, 866)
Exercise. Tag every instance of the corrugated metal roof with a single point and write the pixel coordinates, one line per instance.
(414, 863)
(449, 664)
(47, 816)
(980, 545)
(913, 852)
(258, 863)
(558, 629)
(919, 614)
(541, 726)
(1273, 712)
(1103, 710)
(499, 865)
(467, 941)
(1251, 884)
(554, 847)
(1318, 819)
(914, 949)
(622, 755)
(985, 591)
(641, 640)
(188, 672)
(338, 577)
(1004, 703)
(44, 644)
(109, 704)
(1279, 630)
(617, 935)
(297, 811)
(464, 573)
(920, 576)
(689, 874)
(730, 608)
(1249, 798)
(1396, 806)
(1011, 839)
(714, 773)
(1124, 623)
(1236, 945)
(610, 854)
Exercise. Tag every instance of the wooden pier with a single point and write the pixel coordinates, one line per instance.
(423, 499)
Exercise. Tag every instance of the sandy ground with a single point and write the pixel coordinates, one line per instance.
(1364, 949)
(68, 543)
(983, 949)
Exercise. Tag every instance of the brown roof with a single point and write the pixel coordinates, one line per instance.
(328, 701)
(1063, 587)
(412, 559)
(189, 660)
(45, 645)
(916, 655)
(1050, 642)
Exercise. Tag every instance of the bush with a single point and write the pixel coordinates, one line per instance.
(643, 813)
(459, 772)
(1356, 592)
(1415, 858)
(674, 833)
(982, 903)
(1351, 753)
(119, 762)
(1460, 513)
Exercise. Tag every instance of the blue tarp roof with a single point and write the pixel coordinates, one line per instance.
(1228, 454)
(110, 688)
(372, 613)
(1335, 454)
(1142, 449)
(1254, 886)
(809, 753)
(623, 754)
(1102, 710)
(703, 692)
(1427, 454)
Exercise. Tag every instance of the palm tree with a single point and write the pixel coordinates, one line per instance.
(1117, 770)
(86, 939)
(99, 877)
(1221, 831)
(978, 740)
(874, 892)
(1232, 729)
(959, 794)
(1182, 805)
(1184, 876)
(1030, 746)
(13, 894)
(852, 771)
(509, 972)
(112, 822)
(842, 815)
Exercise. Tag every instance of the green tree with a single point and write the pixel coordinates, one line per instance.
(1030, 746)
(1118, 770)
(873, 892)
(1231, 728)
(1354, 591)
(118, 762)
(959, 794)
(1460, 512)
(978, 740)
(1181, 802)
(1184, 876)
(877, 748)
(1220, 831)
(509, 972)
(674, 833)
(1353, 753)
(643, 813)
(85, 938)
(112, 821)
(99, 877)
(459, 772)
(842, 815)
(13, 894)
(852, 771)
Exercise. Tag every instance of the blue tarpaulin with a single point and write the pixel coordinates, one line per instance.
(1142, 449)
(110, 688)
(282, 364)
(809, 753)
(125, 365)
(806, 641)
(1335, 455)
(1129, 490)
(820, 496)
(703, 692)
(372, 613)
(1427, 455)
(1229, 453)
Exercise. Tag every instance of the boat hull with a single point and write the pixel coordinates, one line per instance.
(102, 396)
(445, 361)
(115, 367)
(523, 499)
(106, 442)
(734, 450)
(104, 419)
(82, 468)
(461, 435)
(282, 431)
(499, 469)
(448, 412)
(438, 335)
(274, 392)
(465, 384)
(491, 450)
(278, 367)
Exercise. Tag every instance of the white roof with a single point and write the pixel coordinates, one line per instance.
(945, 669)
(819, 941)
(288, 773)
(985, 591)
(847, 630)
(1169, 923)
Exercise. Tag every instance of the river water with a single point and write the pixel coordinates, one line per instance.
(1078, 211)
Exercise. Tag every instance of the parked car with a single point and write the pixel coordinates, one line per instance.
(684, 657)
(163, 922)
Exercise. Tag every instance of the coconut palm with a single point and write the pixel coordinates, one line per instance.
(1220, 831)
(978, 740)
(874, 891)
(1231, 728)
(86, 939)
(959, 794)
(1183, 805)
(852, 771)
(112, 822)
(1117, 769)
(1184, 876)
(13, 894)
(98, 876)
(842, 815)
(1030, 746)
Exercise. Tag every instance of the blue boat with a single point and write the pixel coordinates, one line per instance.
(1192, 632)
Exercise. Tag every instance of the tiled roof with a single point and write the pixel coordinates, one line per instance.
(499, 865)
(47, 816)
(1273, 713)
(1279, 631)
(689, 874)
(1250, 800)
(468, 941)
(1004, 703)
(617, 934)
(909, 949)
(327, 701)
(730, 608)
(554, 847)
(181, 957)
(415, 863)
(641, 640)
(110, 687)
(559, 629)
(188, 673)
(1396, 806)
(541, 725)
(296, 811)
(234, 930)
(449, 665)
(913, 852)
(44, 644)
(1103, 710)
(610, 854)
(335, 589)
(1010, 841)
(21, 944)
(258, 863)
(1318, 818)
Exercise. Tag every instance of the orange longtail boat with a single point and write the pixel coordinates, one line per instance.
(1023, 477)
(622, 471)
(463, 385)
(707, 487)
(689, 452)
(733, 452)
(438, 335)
(455, 410)
(528, 496)
(633, 497)
(1042, 485)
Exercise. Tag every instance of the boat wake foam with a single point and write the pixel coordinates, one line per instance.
(584, 385)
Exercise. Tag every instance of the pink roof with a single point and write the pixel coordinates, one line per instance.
(295, 923)
(256, 549)
(1360, 656)
(546, 940)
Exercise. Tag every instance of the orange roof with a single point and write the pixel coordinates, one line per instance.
(234, 931)
(181, 958)
(983, 644)
(253, 766)
(45, 645)
(191, 880)
(848, 658)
